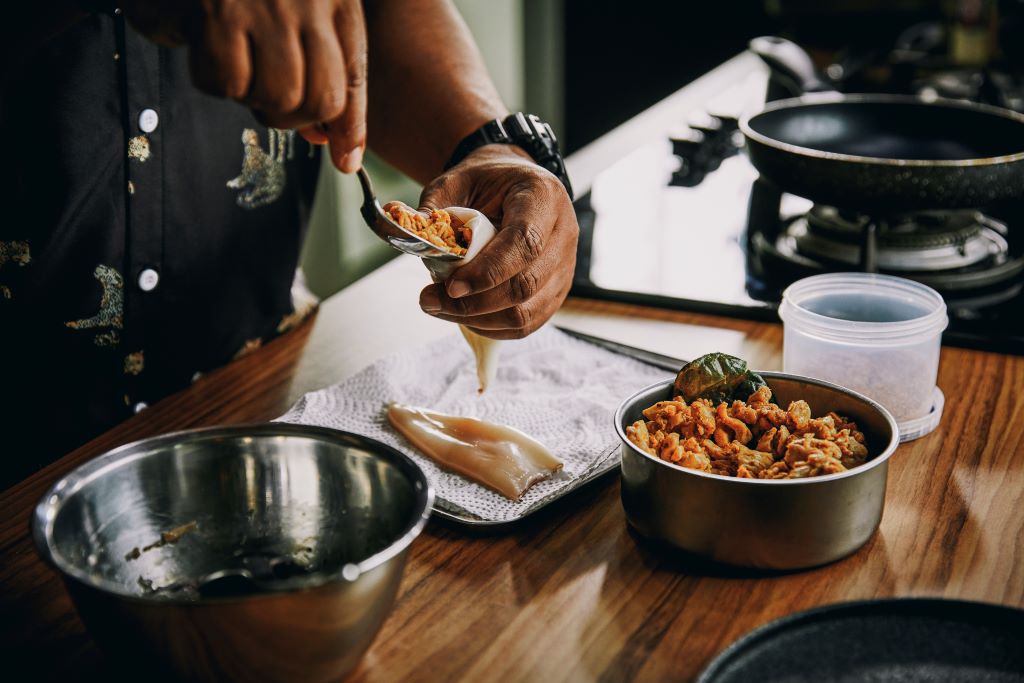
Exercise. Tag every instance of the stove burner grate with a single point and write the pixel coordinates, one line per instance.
(922, 242)
(966, 255)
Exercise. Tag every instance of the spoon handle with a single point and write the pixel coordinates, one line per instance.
(370, 204)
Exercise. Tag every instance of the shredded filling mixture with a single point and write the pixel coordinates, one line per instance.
(440, 228)
(754, 440)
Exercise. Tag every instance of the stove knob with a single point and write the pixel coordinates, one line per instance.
(692, 149)
(690, 145)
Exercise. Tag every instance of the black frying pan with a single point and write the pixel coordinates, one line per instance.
(906, 640)
(881, 153)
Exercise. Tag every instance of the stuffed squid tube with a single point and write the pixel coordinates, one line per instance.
(501, 458)
(480, 231)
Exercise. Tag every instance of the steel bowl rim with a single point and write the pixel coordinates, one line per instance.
(882, 457)
(44, 513)
(817, 99)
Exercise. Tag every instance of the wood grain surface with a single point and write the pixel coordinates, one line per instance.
(571, 595)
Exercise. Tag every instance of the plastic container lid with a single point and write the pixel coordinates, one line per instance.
(915, 429)
(923, 314)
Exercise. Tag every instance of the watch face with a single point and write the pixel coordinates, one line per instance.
(528, 132)
(538, 139)
(543, 130)
(493, 131)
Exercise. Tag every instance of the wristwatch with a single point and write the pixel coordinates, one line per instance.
(522, 130)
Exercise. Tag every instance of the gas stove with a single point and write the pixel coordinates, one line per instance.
(967, 255)
(681, 220)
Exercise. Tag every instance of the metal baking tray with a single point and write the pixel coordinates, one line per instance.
(657, 360)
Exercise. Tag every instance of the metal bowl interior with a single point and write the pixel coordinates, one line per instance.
(293, 506)
(763, 523)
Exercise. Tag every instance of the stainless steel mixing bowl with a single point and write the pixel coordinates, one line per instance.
(265, 552)
(770, 524)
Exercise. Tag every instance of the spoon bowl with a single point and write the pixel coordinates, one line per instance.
(391, 232)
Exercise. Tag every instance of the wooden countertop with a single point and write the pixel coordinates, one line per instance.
(569, 595)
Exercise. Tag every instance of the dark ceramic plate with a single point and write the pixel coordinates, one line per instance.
(903, 640)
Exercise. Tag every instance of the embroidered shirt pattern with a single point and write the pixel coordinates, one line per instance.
(262, 178)
(138, 148)
(111, 313)
(134, 363)
(15, 252)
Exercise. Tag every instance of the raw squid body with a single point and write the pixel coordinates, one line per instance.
(498, 457)
(485, 349)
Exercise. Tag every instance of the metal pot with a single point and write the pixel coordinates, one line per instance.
(770, 524)
(267, 552)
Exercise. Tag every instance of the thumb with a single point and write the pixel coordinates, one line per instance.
(448, 189)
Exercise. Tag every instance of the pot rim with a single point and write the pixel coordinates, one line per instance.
(890, 448)
(45, 512)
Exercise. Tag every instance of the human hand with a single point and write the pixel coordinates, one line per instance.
(296, 63)
(521, 277)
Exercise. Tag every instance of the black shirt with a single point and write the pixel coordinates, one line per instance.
(149, 232)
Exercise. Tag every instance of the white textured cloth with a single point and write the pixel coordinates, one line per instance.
(558, 389)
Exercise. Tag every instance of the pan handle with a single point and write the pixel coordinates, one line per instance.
(791, 67)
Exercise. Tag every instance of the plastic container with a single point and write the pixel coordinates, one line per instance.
(876, 334)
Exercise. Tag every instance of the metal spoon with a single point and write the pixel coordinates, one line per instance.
(391, 232)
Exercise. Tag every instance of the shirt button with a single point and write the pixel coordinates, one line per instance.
(140, 406)
(148, 280)
(148, 120)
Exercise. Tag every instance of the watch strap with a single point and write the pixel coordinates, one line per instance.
(488, 134)
(526, 131)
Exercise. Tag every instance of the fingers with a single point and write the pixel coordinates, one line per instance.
(279, 68)
(518, 306)
(529, 217)
(519, 320)
(347, 132)
(296, 65)
(314, 135)
(518, 289)
(450, 189)
(325, 96)
(323, 92)
(220, 63)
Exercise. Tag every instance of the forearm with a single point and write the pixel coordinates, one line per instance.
(428, 86)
